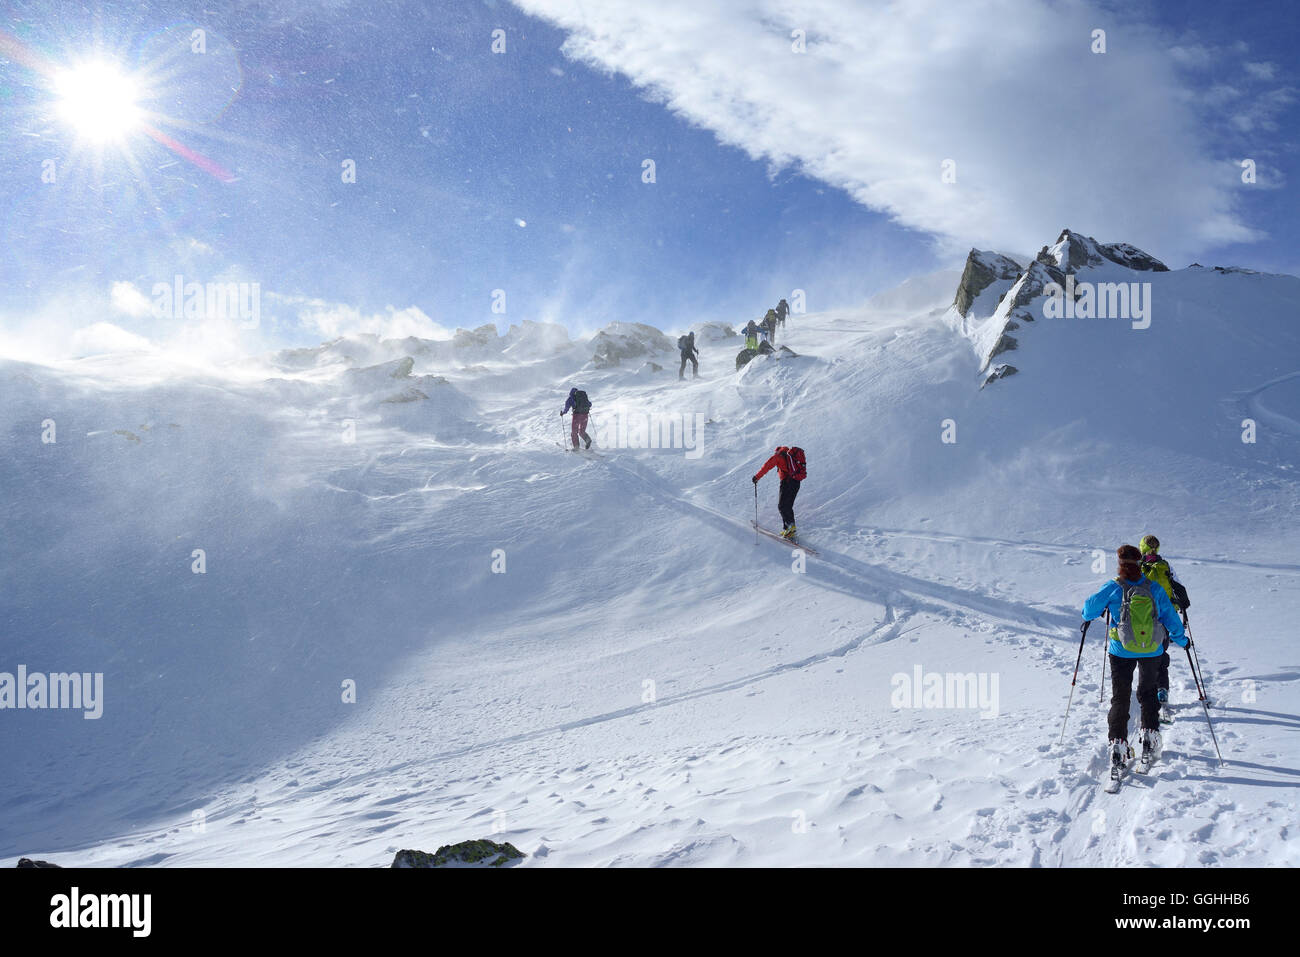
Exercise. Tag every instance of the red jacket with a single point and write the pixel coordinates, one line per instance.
(779, 461)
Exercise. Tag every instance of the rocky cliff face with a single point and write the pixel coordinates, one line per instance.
(997, 297)
(983, 268)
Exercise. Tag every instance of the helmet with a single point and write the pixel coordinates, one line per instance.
(1149, 544)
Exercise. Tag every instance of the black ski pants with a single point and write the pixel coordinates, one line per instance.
(1121, 675)
(695, 365)
(785, 505)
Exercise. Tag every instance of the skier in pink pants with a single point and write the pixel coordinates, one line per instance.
(581, 406)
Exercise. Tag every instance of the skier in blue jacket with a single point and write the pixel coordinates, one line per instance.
(1141, 615)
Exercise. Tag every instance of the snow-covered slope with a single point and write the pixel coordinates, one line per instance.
(591, 656)
(1117, 305)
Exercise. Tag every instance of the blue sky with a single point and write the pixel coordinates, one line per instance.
(774, 170)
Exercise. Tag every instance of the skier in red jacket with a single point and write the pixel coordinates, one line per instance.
(792, 466)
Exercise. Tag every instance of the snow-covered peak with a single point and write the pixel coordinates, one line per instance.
(1074, 251)
(1076, 278)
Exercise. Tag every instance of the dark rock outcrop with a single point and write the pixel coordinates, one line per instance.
(999, 372)
(28, 862)
(982, 270)
(465, 854)
(764, 349)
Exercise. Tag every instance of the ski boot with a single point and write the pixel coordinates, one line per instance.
(1166, 714)
(1120, 754)
(789, 531)
(1150, 739)
(588, 445)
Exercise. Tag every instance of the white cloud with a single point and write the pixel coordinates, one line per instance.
(130, 301)
(332, 320)
(1262, 71)
(1260, 112)
(1044, 132)
(1192, 56)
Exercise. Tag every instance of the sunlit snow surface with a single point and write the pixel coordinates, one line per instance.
(645, 684)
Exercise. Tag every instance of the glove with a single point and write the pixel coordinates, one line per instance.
(755, 479)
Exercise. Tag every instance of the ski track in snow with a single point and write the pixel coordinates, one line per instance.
(1070, 550)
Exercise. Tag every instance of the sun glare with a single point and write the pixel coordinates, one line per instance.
(98, 101)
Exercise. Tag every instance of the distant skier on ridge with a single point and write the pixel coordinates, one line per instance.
(686, 345)
(751, 335)
(791, 464)
(782, 310)
(581, 406)
(1141, 616)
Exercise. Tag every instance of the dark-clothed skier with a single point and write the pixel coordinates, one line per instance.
(686, 344)
(581, 406)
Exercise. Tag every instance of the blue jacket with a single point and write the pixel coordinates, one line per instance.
(1111, 597)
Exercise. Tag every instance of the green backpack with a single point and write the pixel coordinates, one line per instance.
(1139, 628)
(1158, 572)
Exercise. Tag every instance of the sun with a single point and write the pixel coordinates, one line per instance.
(99, 101)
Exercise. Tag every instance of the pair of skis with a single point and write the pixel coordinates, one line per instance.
(1118, 772)
(792, 542)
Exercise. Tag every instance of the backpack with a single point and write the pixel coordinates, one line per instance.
(1158, 571)
(581, 404)
(796, 461)
(1139, 628)
(682, 344)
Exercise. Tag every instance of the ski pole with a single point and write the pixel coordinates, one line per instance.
(1083, 633)
(1104, 656)
(1205, 706)
(755, 513)
(1196, 659)
(563, 443)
